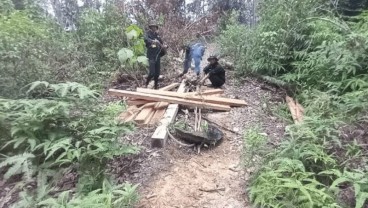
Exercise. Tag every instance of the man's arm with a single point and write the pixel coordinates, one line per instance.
(206, 69)
(160, 40)
(147, 39)
(203, 49)
(217, 70)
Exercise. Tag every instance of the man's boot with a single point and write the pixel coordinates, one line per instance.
(147, 83)
(156, 85)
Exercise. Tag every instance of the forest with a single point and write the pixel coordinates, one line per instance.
(59, 132)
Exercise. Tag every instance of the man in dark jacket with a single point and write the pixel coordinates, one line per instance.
(215, 72)
(155, 50)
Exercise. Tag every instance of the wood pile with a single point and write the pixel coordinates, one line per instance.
(147, 106)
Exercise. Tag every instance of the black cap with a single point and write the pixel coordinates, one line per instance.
(212, 57)
(153, 24)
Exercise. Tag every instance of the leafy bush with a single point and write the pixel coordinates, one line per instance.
(63, 125)
(286, 183)
(133, 57)
(254, 146)
(34, 48)
(358, 179)
(22, 52)
(325, 56)
(121, 196)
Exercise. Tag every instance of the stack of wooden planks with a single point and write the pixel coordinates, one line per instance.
(147, 106)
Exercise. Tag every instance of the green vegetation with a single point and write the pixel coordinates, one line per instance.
(58, 126)
(53, 121)
(35, 48)
(325, 56)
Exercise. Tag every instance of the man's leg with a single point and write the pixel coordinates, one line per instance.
(151, 72)
(216, 81)
(187, 63)
(157, 72)
(197, 64)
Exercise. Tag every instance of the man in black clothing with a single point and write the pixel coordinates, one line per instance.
(215, 72)
(155, 50)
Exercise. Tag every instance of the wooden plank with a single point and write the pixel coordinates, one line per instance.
(137, 102)
(174, 100)
(206, 92)
(157, 116)
(159, 137)
(206, 99)
(161, 105)
(142, 116)
(296, 109)
(151, 112)
(170, 87)
(149, 117)
(126, 115)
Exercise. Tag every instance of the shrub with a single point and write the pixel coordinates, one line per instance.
(62, 125)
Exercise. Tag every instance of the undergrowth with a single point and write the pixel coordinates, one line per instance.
(322, 161)
(59, 127)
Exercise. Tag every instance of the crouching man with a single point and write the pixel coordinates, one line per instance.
(214, 72)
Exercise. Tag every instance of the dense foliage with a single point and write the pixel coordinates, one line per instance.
(60, 127)
(33, 47)
(48, 130)
(322, 162)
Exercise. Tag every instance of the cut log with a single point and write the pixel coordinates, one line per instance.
(174, 100)
(160, 135)
(206, 99)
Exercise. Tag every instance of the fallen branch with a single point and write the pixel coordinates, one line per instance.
(212, 190)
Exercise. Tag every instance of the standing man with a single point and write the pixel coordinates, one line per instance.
(214, 72)
(155, 50)
(193, 52)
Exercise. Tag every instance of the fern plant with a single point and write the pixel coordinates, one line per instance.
(19, 164)
(109, 196)
(286, 183)
(357, 179)
(254, 146)
(64, 125)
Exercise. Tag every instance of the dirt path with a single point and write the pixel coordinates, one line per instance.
(211, 179)
(179, 177)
